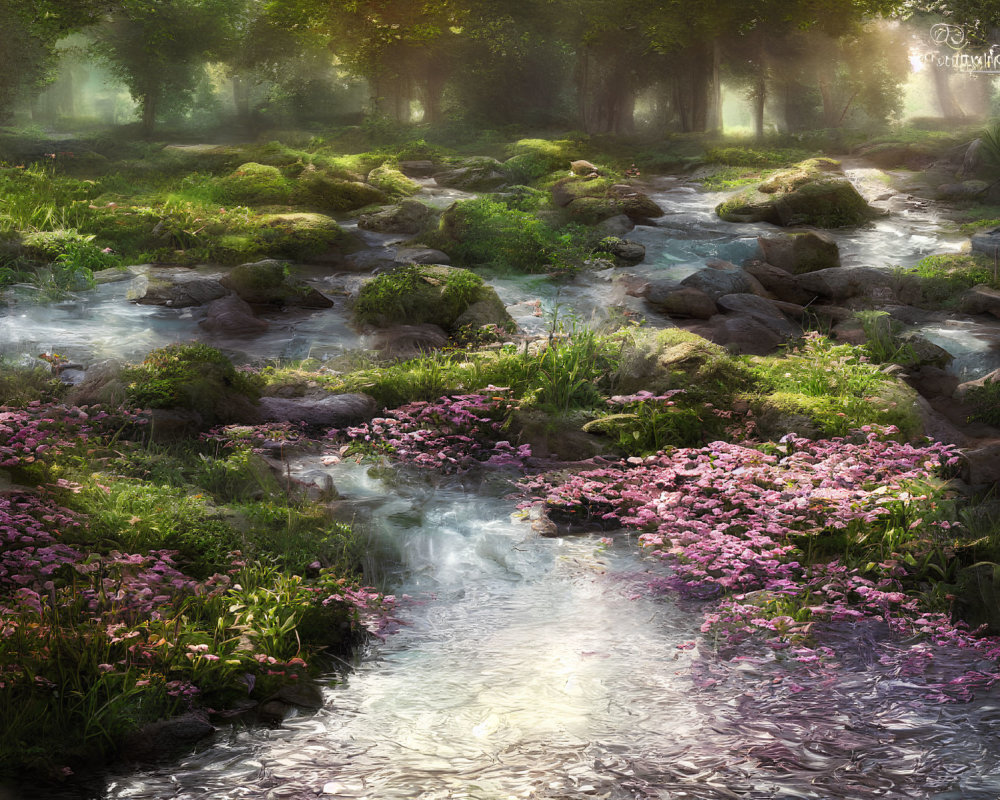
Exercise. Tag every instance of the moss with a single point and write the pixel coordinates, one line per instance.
(194, 377)
(811, 193)
(298, 236)
(944, 278)
(392, 182)
(417, 294)
(254, 184)
(317, 188)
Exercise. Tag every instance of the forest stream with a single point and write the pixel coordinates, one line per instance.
(528, 667)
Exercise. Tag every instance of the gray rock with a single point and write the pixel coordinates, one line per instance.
(981, 465)
(626, 253)
(778, 282)
(721, 277)
(987, 242)
(161, 740)
(980, 299)
(741, 333)
(409, 341)
(417, 169)
(410, 217)
(685, 302)
(965, 189)
(842, 283)
(232, 316)
(325, 411)
(421, 255)
(635, 204)
(618, 225)
(924, 351)
(166, 287)
(304, 694)
(475, 175)
(801, 252)
(762, 310)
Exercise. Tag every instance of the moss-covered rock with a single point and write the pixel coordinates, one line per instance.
(317, 188)
(254, 184)
(474, 175)
(300, 236)
(195, 377)
(417, 293)
(410, 216)
(661, 360)
(268, 283)
(814, 192)
(392, 181)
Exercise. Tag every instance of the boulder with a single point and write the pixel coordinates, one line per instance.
(162, 740)
(800, 252)
(889, 155)
(634, 204)
(778, 282)
(814, 192)
(429, 293)
(722, 277)
(685, 302)
(410, 217)
(618, 225)
(961, 191)
(980, 299)
(421, 255)
(762, 310)
(923, 352)
(417, 169)
(303, 693)
(962, 389)
(409, 341)
(981, 463)
(474, 175)
(392, 181)
(593, 210)
(658, 360)
(267, 283)
(583, 167)
(177, 288)
(987, 242)
(320, 411)
(232, 316)
(626, 253)
(843, 283)
(745, 334)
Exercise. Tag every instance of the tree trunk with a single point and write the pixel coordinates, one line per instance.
(713, 112)
(241, 99)
(759, 96)
(148, 115)
(829, 109)
(950, 109)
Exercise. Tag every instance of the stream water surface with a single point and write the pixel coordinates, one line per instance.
(555, 668)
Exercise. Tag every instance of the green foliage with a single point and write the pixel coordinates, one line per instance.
(743, 156)
(413, 293)
(985, 403)
(191, 376)
(944, 278)
(489, 233)
(20, 385)
(883, 345)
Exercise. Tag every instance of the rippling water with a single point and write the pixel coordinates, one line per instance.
(554, 668)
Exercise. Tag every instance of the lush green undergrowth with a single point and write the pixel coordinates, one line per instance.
(142, 580)
(944, 278)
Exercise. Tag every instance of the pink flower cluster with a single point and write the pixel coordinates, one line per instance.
(452, 434)
(734, 520)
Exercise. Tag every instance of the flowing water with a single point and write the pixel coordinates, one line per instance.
(555, 668)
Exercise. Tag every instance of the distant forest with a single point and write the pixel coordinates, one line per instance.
(592, 65)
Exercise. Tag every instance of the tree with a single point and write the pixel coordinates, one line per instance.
(28, 34)
(157, 47)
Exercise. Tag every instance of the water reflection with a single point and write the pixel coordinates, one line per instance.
(540, 668)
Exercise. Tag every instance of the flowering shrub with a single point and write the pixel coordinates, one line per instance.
(752, 527)
(453, 434)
